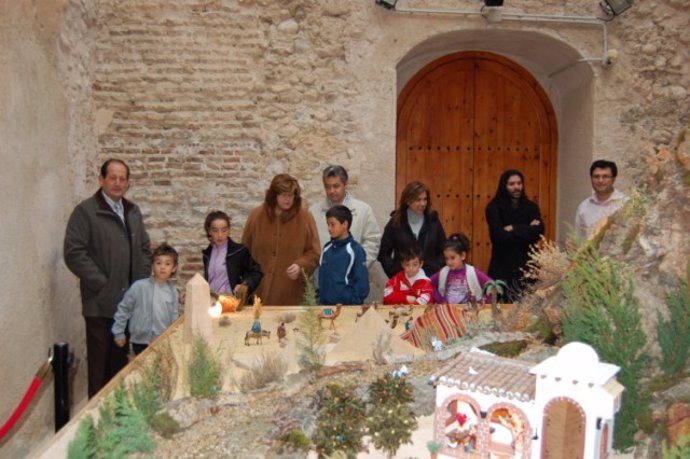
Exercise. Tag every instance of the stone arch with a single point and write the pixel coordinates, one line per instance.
(568, 83)
(441, 424)
(521, 441)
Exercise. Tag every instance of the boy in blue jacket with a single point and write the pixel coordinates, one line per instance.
(343, 275)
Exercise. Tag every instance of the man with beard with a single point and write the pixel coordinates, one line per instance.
(514, 224)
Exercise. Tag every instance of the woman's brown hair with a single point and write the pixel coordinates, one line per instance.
(283, 183)
(409, 194)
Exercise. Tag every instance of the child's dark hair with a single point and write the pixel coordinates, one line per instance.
(165, 250)
(457, 242)
(413, 253)
(340, 213)
(213, 216)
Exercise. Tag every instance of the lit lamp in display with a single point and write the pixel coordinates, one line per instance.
(216, 310)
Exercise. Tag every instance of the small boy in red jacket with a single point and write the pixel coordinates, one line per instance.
(411, 285)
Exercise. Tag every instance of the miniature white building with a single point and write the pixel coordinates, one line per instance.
(489, 406)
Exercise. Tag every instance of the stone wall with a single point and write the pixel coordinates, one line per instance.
(42, 135)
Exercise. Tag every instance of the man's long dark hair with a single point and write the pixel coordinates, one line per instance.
(502, 197)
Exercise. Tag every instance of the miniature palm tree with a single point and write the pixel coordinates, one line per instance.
(495, 288)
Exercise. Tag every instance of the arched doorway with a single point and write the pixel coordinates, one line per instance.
(563, 430)
(462, 120)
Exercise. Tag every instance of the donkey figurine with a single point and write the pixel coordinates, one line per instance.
(257, 336)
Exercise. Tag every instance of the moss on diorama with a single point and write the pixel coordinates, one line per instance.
(297, 439)
(506, 349)
(542, 328)
(165, 425)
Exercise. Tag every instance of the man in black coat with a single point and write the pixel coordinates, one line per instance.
(514, 224)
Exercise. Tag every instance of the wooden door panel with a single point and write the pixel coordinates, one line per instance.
(563, 430)
(462, 121)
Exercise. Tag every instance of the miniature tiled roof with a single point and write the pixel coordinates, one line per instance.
(489, 374)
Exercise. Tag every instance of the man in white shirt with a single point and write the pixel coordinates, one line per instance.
(365, 229)
(604, 201)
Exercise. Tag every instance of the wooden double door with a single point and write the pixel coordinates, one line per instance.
(463, 120)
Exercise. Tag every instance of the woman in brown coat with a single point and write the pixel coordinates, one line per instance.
(282, 238)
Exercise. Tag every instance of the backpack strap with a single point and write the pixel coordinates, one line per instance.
(442, 279)
(473, 282)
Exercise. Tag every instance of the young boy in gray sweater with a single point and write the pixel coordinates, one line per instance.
(150, 305)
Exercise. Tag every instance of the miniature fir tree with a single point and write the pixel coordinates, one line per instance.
(83, 446)
(123, 430)
(310, 340)
(339, 423)
(204, 370)
(390, 421)
(146, 394)
(674, 334)
(309, 298)
(603, 312)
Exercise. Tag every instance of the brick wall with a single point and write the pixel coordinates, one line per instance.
(207, 100)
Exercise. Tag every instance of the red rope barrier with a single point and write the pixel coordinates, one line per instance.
(19, 411)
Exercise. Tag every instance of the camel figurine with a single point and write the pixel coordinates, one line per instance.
(395, 314)
(330, 314)
(364, 309)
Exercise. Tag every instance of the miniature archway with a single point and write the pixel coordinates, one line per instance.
(457, 425)
(563, 429)
(507, 431)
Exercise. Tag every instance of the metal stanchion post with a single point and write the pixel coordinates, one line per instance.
(61, 364)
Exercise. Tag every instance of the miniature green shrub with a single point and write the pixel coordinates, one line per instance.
(310, 340)
(165, 425)
(83, 446)
(390, 420)
(297, 439)
(674, 334)
(146, 394)
(205, 370)
(339, 423)
(269, 368)
(602, 311)
(122, 429)
(542, 328)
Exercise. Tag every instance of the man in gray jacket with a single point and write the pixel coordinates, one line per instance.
(107, 248)
(365, 229)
